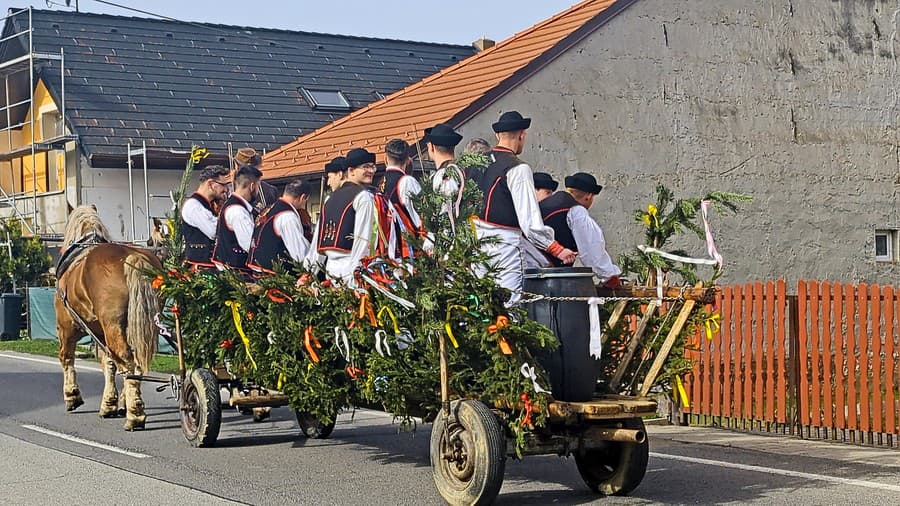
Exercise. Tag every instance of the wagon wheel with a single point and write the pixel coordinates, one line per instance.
(618, 468)
(313, 427)
(468, 454)
(201, 408)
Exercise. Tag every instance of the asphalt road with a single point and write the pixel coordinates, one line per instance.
(366, 461)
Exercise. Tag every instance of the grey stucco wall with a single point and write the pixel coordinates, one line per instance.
(794, 102)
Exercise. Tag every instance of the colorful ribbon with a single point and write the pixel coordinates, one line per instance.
(712, 325)
(381, 343)
(366, 308)
(236, 316)
(278, 296)
(528, 372)
(682, 393)
(710, 244)
(502, 322)
(342, 343)
(596, 344)
(163, 331)
(390, 312)
(529, 408)
(449, 328)
(310, 341)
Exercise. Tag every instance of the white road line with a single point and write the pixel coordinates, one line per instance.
(780, 472)
(79, 366)
(87, 442)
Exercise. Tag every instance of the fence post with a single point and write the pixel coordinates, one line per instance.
(794, 364)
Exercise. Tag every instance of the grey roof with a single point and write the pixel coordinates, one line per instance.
(174, 84)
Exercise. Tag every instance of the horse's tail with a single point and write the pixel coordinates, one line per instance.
(143, 306)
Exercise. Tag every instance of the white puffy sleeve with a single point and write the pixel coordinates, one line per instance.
(194, 214)
(407, 188)
(288, 226)
(521, 184)
(591, 244)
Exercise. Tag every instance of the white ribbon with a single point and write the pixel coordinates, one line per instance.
(596, 345)
(381, 337)
(399, 300)
(710, 244)
(528, 372)
(340, 337)
(270, 337)
(404, 338)
(163, 331)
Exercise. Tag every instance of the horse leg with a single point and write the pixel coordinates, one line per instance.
(67, 341)
(135, 418)
(109, 405)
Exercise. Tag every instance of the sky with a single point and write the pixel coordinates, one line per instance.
(456, 21)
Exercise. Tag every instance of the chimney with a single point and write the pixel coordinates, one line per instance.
(482, 44)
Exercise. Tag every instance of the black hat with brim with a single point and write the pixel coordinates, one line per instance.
(442, 134)
(544, 181)
(511, 121)
(357, 157)
(336, 165)
(584, 182)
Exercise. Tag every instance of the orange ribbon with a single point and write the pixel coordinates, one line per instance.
(276, 295)
(502, 321)
(529, 408)
(366, 308)
(310, 340)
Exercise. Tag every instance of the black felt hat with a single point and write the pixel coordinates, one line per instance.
(336, 165)
(584, 182)
(442, 134)
(545, 181)
(357, 157)
(511, 121)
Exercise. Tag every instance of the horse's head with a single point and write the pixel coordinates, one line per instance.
(84, 220)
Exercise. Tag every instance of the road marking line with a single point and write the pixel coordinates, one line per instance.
(51, 362)
(780, 472)
(87, 442)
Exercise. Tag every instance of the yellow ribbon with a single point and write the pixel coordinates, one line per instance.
(447, 325)
(386, 309)
(682, 393)
(712, 325)
(198, 154)
(281, 379)
(236, 316)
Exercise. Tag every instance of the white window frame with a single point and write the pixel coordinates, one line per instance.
(309, 95)
(891, 241)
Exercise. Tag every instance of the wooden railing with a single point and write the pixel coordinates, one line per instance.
(820, 364)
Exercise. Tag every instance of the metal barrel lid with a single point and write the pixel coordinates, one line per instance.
(559, 272)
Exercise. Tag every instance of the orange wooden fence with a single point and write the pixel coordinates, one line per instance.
(821, 363)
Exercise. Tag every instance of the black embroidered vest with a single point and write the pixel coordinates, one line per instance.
(227, 250)
(338, 219)
(554, 212)
(498, 206)
(197, 247)
(267, 246)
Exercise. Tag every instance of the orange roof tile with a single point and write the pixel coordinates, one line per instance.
(441, 97)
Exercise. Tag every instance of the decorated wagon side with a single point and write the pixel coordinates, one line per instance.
(566, 372)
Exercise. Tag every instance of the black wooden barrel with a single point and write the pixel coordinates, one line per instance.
(573, 371)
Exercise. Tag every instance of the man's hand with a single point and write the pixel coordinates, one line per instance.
(567, 256)
(613, 282)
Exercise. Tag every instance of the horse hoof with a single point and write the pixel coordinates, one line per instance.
(110, 413)
(134, 424)
(260, 414)
(72, 404)
(121, 411)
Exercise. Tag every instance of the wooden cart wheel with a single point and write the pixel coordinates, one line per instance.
(201, 408)
(313, 428)
(617, 469)
(468, 454)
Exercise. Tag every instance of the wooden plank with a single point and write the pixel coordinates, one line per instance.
(747, 345)
(877, 390)
(605, 407)
(890, 418)
(803, 353)
(827, 357)
(632, 346)
(663, 354)
(722, 385)
(759, 340)
(840, 379)
(781, 390)
(770, 351)
(815, 379)
(702, 388)
(865, 420)
(736, 357)
(850, 314)
(259, 401)
(613, 319)
(698, 293)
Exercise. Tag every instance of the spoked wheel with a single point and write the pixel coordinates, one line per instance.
(313, 428)
(201, 408)
(468, 454)
(618, 468)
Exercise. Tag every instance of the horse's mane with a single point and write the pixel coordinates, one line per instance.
(82, 221)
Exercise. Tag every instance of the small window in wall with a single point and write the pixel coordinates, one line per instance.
(885, 245)
(326, 99)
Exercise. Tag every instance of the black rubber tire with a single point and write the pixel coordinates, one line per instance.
(312, 427)
(477, 475)
(617, 469)
(201, 408)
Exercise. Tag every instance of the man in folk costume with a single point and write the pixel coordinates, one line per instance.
(335, 176)
(266, 193)
(544, 185)
(441, 141)
(234, 231)
(511, 217)
(198, 218)
(567, 213)
(278, 237)
(349, 227)
(400, 188)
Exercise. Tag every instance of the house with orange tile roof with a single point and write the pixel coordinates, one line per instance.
(794, 103)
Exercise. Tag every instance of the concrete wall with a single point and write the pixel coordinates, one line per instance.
(794, 102)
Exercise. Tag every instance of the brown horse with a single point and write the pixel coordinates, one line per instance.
(106, 287)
